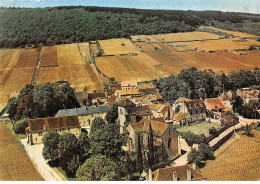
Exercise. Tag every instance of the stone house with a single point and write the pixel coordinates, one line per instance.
(226, 98)
(189, 111)
(143, 112)
(163, 110)
(40, 126)
(127, 93)
(215, 107)
(187, 172)
(85, 114)
(131, 84)
(166, 138)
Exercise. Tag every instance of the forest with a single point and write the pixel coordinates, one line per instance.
(26, 27)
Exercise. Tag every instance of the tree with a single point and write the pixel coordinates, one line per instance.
(112, 114)
(20, 126)
(84, 146)
(50, 146)
(139, 160)
(98, 168)
(247, 130)
(150, 147)
(205, 152)
(193, 156)
(97, 124)
(212, 131)
(11, 107)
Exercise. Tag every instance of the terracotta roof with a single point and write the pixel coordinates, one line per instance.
(193, 104)
(158, 127)
(126, 102)
(166, 174)
(95, 95)
(145, 101)
(226, 96)
(112, 100)
(179, 116)
(53, 123)
(129, 83)
(129, 92)
(160, 108)
(139, 99)
(248, 94)
(143, 110)
(160, 119)
(211, 103)
(181, 99)
(115, 86)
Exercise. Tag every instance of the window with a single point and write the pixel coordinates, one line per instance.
(36, 139)
(40, 133)
(88, 121)
(169, 143)
(68, 129)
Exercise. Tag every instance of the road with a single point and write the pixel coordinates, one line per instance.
(35, 153)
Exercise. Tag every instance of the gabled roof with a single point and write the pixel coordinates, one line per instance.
(179, 116)
(166, 174)
(95, 95)
(160, 108)
(129, 83)
(112, 100)
(212, 103)
(143, 110)
(160, 119)
(145, 86)
(158, 127)
(193, 104)
(83, 110)
(115, 86)
(138, 99)
(53, 123)
(226, 96)
(181, 99)
(129, 92)
(126, 102)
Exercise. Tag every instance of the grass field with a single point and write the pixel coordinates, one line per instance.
(15, 165)
(238, 161)
(201, 128)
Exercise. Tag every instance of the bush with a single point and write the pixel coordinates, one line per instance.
(20, 126)
(212, 131)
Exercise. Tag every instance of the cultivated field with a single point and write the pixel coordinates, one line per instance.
(239, 161)
(15, 165)
(49, 56)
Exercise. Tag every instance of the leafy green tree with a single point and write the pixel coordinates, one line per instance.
(50, 146)
(11, 107)
(84, 146)
(97, 124)
(193, 156)
(139, 160)
(98, 168)
(205, 152)
(177, 109)
(20, 126)
(150, 147)
(112, 114)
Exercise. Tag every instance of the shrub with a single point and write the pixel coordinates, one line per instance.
(20, 126)
(212, 131)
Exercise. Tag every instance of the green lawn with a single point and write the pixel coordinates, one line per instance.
(201, 128)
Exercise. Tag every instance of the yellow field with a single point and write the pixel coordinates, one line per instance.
(235, 33)
(239, 161)
(118, 46)
(15, 165)
(69, 55)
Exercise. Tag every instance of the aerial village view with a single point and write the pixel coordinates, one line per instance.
(129, 90)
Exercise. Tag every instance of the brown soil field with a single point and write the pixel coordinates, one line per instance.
(235, 33)
(48, 74)
(118, 46)
(28, 58)
(239, 161)
(15, 165)
(69, 55)
(4, 76)
(49, 56)
(9, 58)
(219, 61)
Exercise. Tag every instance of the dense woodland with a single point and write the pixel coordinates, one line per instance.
(25, 27)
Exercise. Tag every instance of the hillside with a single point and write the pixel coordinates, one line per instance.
(24, 27)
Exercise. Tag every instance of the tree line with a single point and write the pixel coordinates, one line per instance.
(26, 27)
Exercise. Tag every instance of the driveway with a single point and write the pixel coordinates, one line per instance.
(35, 153)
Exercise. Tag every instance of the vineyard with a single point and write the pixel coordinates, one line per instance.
(15, 165)
(239, 161)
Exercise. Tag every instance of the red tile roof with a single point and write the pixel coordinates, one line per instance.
(143, 110)
(126, 102)
(179, 116)
(212, 103)
(53, 123)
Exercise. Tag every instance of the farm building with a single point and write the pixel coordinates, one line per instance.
(214, 106)
(38, 127)
(189, 111)
(85, 114)
(165, 137)
(226, 97)
(127, 93)
(187, 172)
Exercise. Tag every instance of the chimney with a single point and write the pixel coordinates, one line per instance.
(150, 174)
(194, 166)
(174, 176)
(188, 175)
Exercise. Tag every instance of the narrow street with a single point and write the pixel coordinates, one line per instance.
(35, 153)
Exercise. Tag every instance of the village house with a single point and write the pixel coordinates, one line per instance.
(148, 91)
(189, 111)
(112, 89)
(112, 99)
(162, 110)
(97, 97)
(248, 95)
(127, 93)
(85, 114)
(126, 113)
(226, 98)
(138, 100)
(187, 172)
(152, 99)
(143, 112)
(165, 137)
(131, 84)
(215, 107)
(40, 126)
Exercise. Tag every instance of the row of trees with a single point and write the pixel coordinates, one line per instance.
(23, 27)
(41, 100)
(192, 83)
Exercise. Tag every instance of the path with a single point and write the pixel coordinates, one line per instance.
(37, 69)
(242, 122)
(35, 153)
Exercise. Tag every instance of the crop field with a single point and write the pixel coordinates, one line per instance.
(28, 58)
(15, 165)
(235, 33)
(9, 58)
(239, 161)
(219, 61)
(85, 51)
(118, 46)
(49, 56)
(69, 55)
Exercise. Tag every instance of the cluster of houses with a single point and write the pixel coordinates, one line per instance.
(140, 105)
